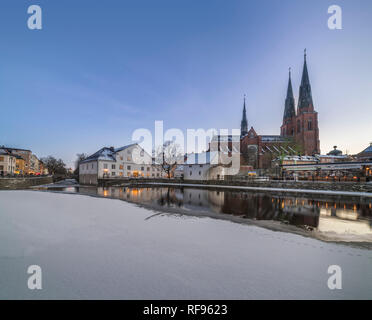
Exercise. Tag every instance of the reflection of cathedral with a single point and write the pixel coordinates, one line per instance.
(299, 132)
(342, 216)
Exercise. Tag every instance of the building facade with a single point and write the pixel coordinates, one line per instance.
(25, 155)
(299, 132)
(130, 161)
(7, 163)
(302, 125)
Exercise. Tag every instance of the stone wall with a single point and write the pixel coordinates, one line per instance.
(88, 179)
(310, 185)
(23, 183)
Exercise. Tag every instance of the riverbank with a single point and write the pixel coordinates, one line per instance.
(24, 183)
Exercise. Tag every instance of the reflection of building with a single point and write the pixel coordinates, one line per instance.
(343, 221)
(337, 215)
(130, 161)
(7, 162)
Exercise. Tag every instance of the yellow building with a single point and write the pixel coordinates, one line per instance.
(20, 165)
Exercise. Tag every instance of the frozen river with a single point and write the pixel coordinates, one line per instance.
(91, 247)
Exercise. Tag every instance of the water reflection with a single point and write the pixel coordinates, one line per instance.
(341, 216)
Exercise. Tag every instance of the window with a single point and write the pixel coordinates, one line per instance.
(113, 166)
(121, 167)
(148, 168)
(1, 168)
(199, 173)
(121, 158)
(105, 166)
(142, 168)
(310, 125)
(201, 166)
(128, 167)
(298, 126)
(113, 173)
(128, 158)
(190, 173)
(92, 165)
(157, 174)
(1, 158)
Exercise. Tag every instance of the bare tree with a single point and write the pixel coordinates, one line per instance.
(54, 166)
(168, 156)
(80, 157)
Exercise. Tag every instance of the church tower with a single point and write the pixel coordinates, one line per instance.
(244, 123)
(287, 128)
(306, 124)
(303, 124)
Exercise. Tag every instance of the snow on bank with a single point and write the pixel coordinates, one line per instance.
(102, 248)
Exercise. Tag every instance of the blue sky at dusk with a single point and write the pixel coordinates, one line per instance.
(98, 70)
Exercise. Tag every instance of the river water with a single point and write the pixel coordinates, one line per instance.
(342, 217)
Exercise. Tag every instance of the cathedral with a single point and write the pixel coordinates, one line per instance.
(299, 132)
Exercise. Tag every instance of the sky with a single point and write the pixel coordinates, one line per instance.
(98, 70)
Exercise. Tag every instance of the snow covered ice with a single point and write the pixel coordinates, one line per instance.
(96, 248)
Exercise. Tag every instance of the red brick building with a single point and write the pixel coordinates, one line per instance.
(301, 126)
(299, 133)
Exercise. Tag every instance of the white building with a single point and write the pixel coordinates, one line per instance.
(203, 166)
(7, 162)
(130, 161)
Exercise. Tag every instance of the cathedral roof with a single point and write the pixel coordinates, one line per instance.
(305, 98)
(289, 109)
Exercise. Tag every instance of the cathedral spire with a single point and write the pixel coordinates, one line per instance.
(289, 109)
(244, 123)
(305, 100)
